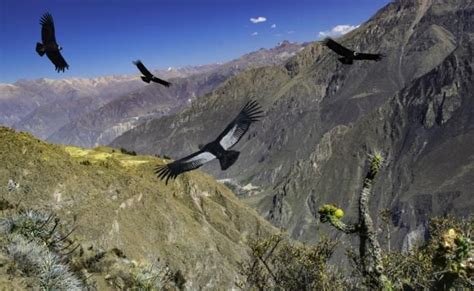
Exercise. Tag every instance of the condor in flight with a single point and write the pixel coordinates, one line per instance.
(149, 76)
(219, 148)
(49, 45)
(348, 56)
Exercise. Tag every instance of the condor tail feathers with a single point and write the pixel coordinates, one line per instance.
(346, 61)
(145, 79)
(40, 49)
(228, 159)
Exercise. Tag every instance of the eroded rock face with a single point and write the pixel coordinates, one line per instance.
(323, 118)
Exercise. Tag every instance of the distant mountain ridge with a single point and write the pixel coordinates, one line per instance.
(94, 111)
(41, 106)
(102, 125)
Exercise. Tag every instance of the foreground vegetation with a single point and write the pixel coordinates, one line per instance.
(37, 250)
(63, 227)
(122, 217)
(444, 262)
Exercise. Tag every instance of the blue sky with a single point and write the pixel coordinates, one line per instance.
(102, 37)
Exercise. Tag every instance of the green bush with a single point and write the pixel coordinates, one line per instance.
(278, 263)
(445, 261)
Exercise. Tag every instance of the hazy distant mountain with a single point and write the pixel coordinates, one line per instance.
(16, 102)
(42, 106)
(102, 125)
(323, 118)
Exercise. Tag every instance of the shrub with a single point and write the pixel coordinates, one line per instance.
(85, 163)
(127, 152)
(277, 263)
(129, 275)
(445, 261)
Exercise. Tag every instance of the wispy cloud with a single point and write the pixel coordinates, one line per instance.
(290, 31)
(258, 19)
(338, 30)
(273, 25)
(254, 33)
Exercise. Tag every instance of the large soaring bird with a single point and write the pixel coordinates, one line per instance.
(49, 45)
(348, 56)
(149, 76)
(219, 148)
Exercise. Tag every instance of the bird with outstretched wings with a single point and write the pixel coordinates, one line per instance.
(49, 46)
(148, 76)
(240, 125)
(189, 163)
(348, 55)
(219, 148)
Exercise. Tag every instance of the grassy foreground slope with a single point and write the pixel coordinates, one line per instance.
(114, 199)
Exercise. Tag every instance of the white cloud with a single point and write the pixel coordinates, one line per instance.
(290, 31)
(338, 30)
(254, 33)
(258, 19)
(273, 25)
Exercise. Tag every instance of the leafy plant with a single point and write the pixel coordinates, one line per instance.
(278, 263)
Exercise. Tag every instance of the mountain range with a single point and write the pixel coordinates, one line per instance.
(90, 112)
(323, 118)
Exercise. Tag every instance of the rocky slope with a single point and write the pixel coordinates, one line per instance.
(116, 203)
(102, 125)
(323, 118)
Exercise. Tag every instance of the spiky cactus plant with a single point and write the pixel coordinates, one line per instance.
(369, 248)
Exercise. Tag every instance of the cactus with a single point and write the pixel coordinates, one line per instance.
(370, 253)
